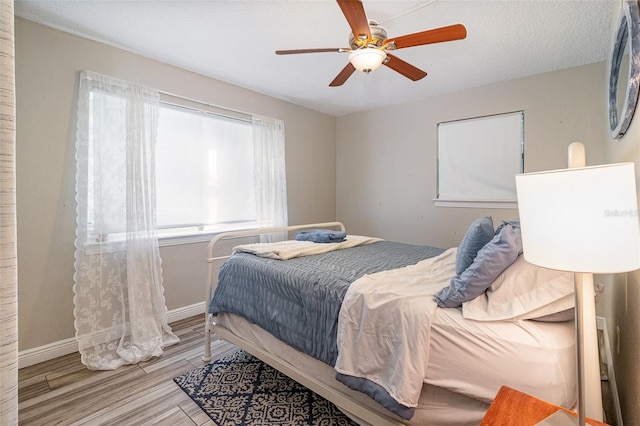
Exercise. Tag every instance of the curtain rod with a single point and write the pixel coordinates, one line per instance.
(204, 111)
(173, 95)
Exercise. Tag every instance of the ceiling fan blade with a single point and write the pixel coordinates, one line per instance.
(353, 10)
(343, 75)
(436, 35)
(404, 68)
(322, 50)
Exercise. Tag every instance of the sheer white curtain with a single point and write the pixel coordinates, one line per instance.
(270, 176)
(120, 312)
(8, 256)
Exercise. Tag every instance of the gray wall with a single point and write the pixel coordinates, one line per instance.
(386, 164)
(47, 67)
(621, 309)
(386, 177)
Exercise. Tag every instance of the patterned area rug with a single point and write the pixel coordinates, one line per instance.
(239, 389)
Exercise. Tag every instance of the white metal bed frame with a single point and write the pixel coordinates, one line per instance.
(343, 401)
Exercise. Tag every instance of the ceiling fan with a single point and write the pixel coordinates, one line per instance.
(369, 44)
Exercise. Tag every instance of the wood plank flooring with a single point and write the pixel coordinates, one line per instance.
(64, 392)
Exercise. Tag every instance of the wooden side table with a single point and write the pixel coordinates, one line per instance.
(514, 408)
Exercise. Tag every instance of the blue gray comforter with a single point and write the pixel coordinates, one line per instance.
(298, 300)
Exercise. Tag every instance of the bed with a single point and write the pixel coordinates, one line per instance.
(501, 333)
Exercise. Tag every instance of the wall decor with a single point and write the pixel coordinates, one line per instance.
(624, 72)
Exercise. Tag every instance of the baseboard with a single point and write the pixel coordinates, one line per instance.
(60, 348)
(601, 324)
(186, 312)
(53, 350)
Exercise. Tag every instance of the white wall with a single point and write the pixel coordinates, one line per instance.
(386, 164)
(47, 67)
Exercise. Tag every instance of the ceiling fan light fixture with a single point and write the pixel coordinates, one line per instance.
(367, 59)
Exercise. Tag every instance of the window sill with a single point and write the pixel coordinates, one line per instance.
(476, 204)
(117, 242)
(179, 238)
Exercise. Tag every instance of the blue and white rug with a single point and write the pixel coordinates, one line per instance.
(239, 389)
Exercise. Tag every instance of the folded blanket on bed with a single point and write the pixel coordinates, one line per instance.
(384, 330)
(321, 236)
(285, 250)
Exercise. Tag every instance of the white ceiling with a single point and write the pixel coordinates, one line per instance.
(234, 41)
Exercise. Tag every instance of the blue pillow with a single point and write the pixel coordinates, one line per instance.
(491, 260)
(321, 236)
(515, 223)
(478, 235)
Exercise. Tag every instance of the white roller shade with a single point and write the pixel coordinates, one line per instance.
(478, 158)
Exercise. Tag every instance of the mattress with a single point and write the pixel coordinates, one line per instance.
(437, 406)
(475, 358)
(469, 361)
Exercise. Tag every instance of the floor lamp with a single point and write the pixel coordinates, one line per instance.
(583, 220)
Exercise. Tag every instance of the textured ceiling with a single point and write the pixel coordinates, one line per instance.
(234, 41)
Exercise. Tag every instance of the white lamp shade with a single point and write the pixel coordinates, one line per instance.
(581, 219)
(367, 59)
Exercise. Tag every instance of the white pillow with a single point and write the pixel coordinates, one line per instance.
(523, 291)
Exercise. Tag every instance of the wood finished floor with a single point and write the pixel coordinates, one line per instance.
(64, 392)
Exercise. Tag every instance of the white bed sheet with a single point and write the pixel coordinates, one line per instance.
(475, 358)
(469, 361)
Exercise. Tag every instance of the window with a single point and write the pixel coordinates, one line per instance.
(478, 159)
(204, 172)
(213, 172)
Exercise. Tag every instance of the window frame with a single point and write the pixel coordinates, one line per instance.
(200, 232)
(187, 234)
